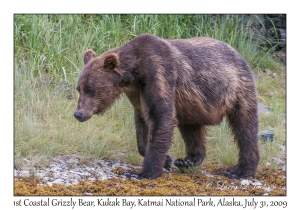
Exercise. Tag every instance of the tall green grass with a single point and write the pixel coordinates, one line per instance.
(48, 50)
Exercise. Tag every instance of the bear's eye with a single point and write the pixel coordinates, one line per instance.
(88, 90)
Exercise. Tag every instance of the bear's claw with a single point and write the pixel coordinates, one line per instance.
(129, 174)
(180, 163)
(231, 175)
(168, 169)
(168, 164)
(228, 173)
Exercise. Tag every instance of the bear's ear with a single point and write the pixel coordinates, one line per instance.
(88, 56)
(111, 61)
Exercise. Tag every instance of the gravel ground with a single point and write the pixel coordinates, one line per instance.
(68, 171)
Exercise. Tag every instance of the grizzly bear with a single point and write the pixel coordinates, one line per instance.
(189, 83)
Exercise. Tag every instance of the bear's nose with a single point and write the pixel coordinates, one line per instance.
(78, 115)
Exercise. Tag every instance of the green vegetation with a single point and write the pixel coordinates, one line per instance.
(48, 51)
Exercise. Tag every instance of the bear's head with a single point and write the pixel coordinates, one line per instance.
(98, 84)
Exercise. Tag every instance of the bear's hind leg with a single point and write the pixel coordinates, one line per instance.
(194, 140)
(244, 124)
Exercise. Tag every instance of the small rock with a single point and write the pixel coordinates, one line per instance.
(81, 173)
(268, 189)
(72, 160)
(268, 72)
(110, 164)
(75, 176)
(283, 168)
(280, 54)
(91, 170)
(99, 173)
(107, 170)
(47, 80)
(56, 175)
(24, 173)
(58, 181)
(274, 75)
(40, 175)
(46, 179)
(103, 177)
(267, 163)
(277, 160)
(263, 109)
(74, 182)
(60, 168)
(255, 182)
(267, 135)
(64, 86)
(101, 163)
(28, 161)
(282, 40)
(245, 182)
(207, 173)
(255, 76)
(48, 173)
(282, 147)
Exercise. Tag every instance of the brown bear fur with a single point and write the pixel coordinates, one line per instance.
(190, 83)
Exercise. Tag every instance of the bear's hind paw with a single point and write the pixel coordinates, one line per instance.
(181, 163)
(230, 174)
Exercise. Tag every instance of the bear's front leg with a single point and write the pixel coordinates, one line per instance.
(142, 130)
(155, 101)
(140, 175)
(161, 127)
(142, 136)
(156, 157)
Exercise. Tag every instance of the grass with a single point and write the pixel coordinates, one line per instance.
(48, 51)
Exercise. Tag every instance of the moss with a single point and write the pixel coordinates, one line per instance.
(176, 183)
